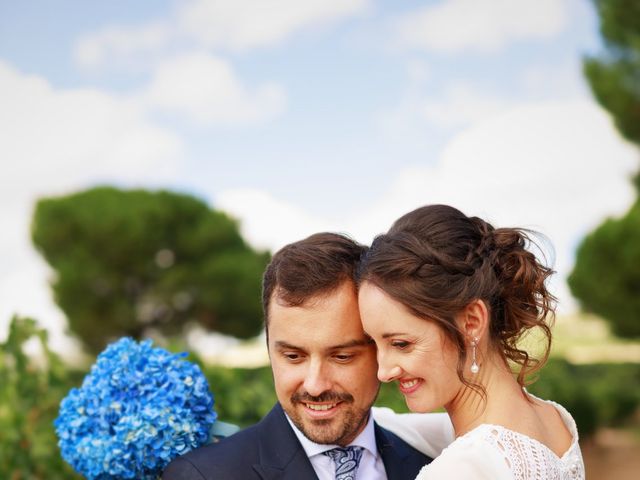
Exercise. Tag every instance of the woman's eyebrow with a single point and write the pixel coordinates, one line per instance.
(393, 334)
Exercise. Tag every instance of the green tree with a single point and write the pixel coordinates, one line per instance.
(614, 76)
(127, 261)
(606, 277)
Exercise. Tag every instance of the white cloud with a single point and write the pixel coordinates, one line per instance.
(531, 164)
(266, 222)
(563, 80)
(418, 72)
(206, 89)
(557, 167)
(53, 141)
(480, 25)
(55, 138)
(461, 105)
(196, 84)
(243, 24)
(119, 44)
(219, 24)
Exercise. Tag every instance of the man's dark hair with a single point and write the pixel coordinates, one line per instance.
(305, 269)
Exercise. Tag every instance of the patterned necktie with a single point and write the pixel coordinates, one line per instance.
(346, 461)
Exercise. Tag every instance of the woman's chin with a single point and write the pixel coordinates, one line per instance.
(417, 406)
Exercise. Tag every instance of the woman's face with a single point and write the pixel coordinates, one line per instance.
(413, 351)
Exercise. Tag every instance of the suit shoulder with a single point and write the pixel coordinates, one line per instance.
(232, 457)
(387, 438)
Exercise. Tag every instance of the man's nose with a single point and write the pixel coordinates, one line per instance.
(317, 379)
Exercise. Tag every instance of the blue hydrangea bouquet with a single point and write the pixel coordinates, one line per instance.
(137, 409)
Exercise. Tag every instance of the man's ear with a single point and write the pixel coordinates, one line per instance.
(473, 321)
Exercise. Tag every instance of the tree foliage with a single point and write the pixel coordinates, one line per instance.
(614, 76)
(606, 277)
(127, 261)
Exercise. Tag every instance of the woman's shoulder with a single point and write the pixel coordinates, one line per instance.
(564, 414)
(473, 455)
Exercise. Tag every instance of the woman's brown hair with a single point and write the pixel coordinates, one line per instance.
(435, 261)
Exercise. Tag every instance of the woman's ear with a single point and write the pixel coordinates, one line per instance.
(474, 319)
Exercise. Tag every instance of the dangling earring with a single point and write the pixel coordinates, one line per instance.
(475, 368)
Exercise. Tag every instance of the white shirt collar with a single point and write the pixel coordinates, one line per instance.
(366, 439)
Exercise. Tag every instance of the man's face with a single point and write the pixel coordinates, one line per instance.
(324, 366)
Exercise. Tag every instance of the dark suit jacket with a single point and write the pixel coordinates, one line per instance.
(270, 450)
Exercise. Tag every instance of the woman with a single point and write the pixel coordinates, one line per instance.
(447, 298)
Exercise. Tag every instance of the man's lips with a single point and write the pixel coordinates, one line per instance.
(322, 406)
(321, 410)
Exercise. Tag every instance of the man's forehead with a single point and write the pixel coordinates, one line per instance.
(283, 298)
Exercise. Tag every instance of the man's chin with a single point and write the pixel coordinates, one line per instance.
(318, 429)
(324, 432)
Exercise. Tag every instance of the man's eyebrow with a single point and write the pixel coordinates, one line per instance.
(286, 345)
(282, 345)
(353, 343)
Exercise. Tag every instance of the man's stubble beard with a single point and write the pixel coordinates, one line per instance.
(334, 431)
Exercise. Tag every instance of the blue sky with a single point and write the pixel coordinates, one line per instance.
(303, 116)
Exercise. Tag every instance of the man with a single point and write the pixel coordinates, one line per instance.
(324, 370)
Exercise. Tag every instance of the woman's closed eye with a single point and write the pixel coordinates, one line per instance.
(399, 344)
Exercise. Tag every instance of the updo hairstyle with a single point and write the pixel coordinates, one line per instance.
(435, 261)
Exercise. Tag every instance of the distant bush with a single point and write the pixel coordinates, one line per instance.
(596, 394)
(29, 399)
(243, 395)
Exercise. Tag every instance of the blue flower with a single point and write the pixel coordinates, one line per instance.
(137, 409)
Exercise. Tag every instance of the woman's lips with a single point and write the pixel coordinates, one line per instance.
(410, 385)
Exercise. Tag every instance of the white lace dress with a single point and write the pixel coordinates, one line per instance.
(493, 452)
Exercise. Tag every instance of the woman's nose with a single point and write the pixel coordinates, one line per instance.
(387, 371)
